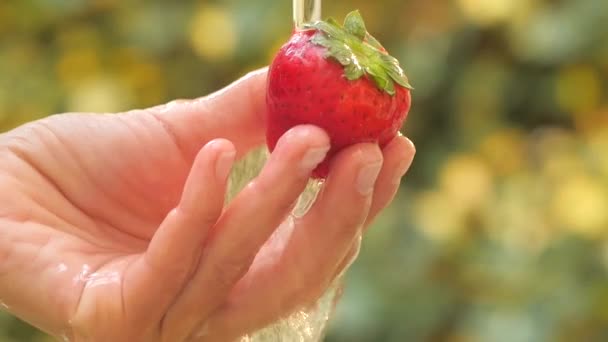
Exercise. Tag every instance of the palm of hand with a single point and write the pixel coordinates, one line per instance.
(94, 217)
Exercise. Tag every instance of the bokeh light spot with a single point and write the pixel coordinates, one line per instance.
(103, 94)
(213, 33)
(505, 151)
(580, 206)
(467, 180)
(488, 12)
(438, 218)
(578, 89)
(75, 64)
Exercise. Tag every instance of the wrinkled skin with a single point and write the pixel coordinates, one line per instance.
(115, 229)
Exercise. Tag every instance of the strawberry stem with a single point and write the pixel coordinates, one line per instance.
(358, 52)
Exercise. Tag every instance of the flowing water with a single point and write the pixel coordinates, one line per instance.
(302, 326)
(306, 11)
(306, 325)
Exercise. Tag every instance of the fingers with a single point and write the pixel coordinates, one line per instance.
(236, 113)
(286, 277)
(245, 225)
(156, 277)
(345, 215)
(201, 204)
(398, 157)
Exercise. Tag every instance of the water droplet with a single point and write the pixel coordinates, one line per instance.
(103, 278)
(61, 268)
(83, 274)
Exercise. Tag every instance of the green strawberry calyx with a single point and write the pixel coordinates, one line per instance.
(359, 52)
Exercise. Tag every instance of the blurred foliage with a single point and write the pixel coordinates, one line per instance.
(499, 233)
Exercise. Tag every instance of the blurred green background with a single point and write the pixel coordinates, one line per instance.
(499, 232)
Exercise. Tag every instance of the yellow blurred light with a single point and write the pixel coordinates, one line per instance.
(438, 217)
(516, 217)
(505, 151)
(591, 121)
(374, 14)
(522, 14)
(460, 337)
(125, 57)
(598, 150)
(76, 64)
(467, 180)
(213, 33)
(3, 107)
(143, 76)
(561, 166)
(22, 56)
(104, 4)
(559, 154)
(580, 205)
(532, 235)
(578, 89)
(104, 94)
(146, 80)
(427, 18)
(480, 95)
(489, 12)
(79, 36)
(5, 16)
(24, 112)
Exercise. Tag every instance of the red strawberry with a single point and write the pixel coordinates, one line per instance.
(338, 78)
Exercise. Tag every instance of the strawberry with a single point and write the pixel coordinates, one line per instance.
(339, 78)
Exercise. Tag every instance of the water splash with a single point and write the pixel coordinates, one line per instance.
(103, 278)
(96, 278)
(305, 11)
(302, 326)
(61, 267)
(82, 275)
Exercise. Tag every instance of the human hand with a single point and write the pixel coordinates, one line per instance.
(115, 229)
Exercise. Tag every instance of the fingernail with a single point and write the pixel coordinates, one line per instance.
(223, 165)
(312, 158)
(367, 178)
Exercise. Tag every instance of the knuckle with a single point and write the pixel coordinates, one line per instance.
(307, 287)
(285, 206)
(258, 188)
(207, 219)
(281, 198)
(226, 272)
(347, 224)
(305, 293)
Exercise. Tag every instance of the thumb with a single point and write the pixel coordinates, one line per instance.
(235, 113)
